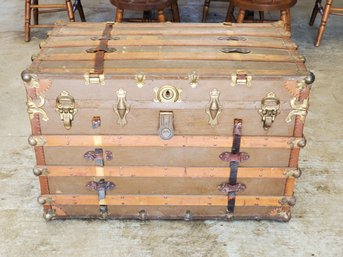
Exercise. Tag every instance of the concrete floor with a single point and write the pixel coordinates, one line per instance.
(315, 229)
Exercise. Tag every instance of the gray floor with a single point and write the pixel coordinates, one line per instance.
(315, 229)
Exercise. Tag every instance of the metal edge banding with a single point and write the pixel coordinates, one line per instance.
(163, 200)
(176, 141)
(155, 171)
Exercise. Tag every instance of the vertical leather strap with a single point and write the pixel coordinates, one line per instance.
(237, 132)
(101, 50)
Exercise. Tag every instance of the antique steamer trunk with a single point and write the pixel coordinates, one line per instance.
(167, 121)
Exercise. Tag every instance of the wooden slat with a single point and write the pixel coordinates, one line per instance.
(200, 56)
(152, 200)
(176, 141)
(167, 172)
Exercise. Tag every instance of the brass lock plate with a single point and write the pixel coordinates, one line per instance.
(166, 125)
(167, 93)
(270, 108)
(65, 106)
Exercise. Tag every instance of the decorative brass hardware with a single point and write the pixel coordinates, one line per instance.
(96, 122)
(65, 107)
(50, 214)
(288, 200)
(228, 50)
(241, 78)
(36, 141)
(33, 108)
(94, 78)
(281, 214)
(44, 200)
(188, 215)
(31, 79)
(40, 171)
(214, 107)
(193, 79)
(270, 108)
(140, 79)
(167, 93)
(166, 125)
(228, 188)
(310, 78)
(122, 107)
(298, 109)
(296, 173)
(300, 142)
(231, 157)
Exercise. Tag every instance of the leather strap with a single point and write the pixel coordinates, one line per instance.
(100, 53)
(237, 132)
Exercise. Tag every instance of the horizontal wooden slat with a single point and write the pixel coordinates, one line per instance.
(176, 141)
(171, 200)
(205, 56)
(153, 171)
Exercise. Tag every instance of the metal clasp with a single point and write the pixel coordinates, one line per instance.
(94, 78)
(166, 125)
(241, 78)
(167, 93)
(270, 108)
(65, 106)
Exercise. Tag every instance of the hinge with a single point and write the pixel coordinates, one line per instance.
(241, 78)
(94, 78)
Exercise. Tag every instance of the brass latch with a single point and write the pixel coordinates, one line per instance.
(298, 109)
(241, 78)
(94, 78)
(166, 125)
(65, 106)
(214, 108)
(270, 108)
(122, 107)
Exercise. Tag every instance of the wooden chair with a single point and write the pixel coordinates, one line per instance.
(33, 6)
(147, 7)
(206, 8)
(325, 12)
(261, 6)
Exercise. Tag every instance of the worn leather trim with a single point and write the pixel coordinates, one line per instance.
(100, 55)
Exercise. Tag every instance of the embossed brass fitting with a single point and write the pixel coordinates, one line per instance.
(193, 79)
(300, 142)
(214, 108)
(270, 108)
(122, 107)
(65, 107)
(37, 171)
(49, 215)
(33, 108)
(241, 78)
(167, 93)
(140, 79)
(291, 201)
(166, 129)
(296, 173)
(36, 141)
(94, 78)
(298, 109)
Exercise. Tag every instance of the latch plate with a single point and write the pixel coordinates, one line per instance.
(166, 125)
(241, 78)
(94, 78)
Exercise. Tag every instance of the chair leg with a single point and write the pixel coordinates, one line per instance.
(315, 11)
(160, 15)
(70, 11)
(323, 22)
(119, 15)
(35, 13)
(175, 11)
(27, 20)
(205, 10)
(241, 15)
(229, 14)
(78, 6)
